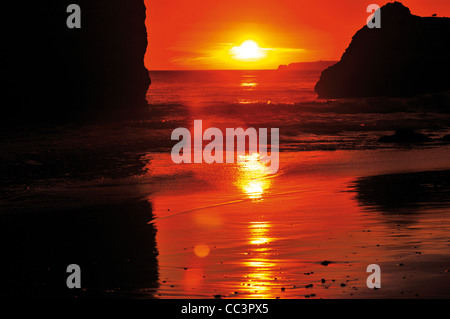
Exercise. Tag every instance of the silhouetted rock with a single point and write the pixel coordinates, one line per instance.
(306, 66)
(57, 73)
(446, 138)
(407, 56)
(404, 136)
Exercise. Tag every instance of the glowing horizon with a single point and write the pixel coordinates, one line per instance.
(199, 34)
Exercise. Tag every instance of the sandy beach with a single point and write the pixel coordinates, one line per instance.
(230, 231)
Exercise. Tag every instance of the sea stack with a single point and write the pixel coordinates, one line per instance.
(407, 56)
(59, 73)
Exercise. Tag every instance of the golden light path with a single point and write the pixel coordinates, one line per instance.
(254, 183)
(260, 268)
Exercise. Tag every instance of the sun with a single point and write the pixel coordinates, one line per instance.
(248, 51)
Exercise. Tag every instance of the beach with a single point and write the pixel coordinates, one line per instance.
(228, 230)
(109, 198)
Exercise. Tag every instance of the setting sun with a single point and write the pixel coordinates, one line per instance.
(248, 50)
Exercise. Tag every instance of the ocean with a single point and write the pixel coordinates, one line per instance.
(232, 87)
(286, 100)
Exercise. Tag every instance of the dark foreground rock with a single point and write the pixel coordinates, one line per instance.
(106, 236)
(56, 73)
(404, 136)
(407, 56)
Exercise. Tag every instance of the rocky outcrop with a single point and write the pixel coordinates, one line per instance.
(56, 73)
(407, 56)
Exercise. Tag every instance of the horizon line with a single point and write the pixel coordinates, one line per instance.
(262, 69)
(211, 70)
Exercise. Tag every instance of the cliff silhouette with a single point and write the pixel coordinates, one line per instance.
(407, 56)
(54, 73)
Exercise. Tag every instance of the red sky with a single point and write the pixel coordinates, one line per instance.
(198, 34)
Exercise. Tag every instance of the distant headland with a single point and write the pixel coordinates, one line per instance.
(300, 66)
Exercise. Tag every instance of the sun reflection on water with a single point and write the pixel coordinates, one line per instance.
(249, 82)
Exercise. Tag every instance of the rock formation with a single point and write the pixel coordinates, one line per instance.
(407, 56)
(52, 72)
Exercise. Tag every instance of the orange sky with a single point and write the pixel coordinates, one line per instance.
(199, 34)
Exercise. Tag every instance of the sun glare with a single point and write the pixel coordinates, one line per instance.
(248, 51)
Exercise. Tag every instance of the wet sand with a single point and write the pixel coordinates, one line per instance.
(267, 236)
(230, 230)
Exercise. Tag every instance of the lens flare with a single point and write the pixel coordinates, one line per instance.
(201, 250)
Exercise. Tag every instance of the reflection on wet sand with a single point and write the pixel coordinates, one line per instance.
(254, 178)
(254, 181)
(261, 268)
(238, 232)
(232, 230)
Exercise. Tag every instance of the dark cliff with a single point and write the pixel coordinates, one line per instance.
(52, 72)
(407, 56)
